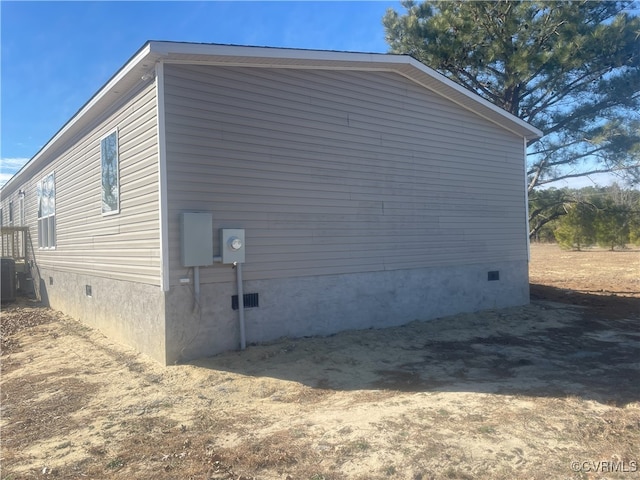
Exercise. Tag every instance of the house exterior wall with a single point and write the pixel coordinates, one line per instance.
(117, 255)
(123, 246)
(352, 187)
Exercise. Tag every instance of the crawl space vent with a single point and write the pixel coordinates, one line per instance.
(250, 301)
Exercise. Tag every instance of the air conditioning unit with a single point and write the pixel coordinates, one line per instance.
(8, 274)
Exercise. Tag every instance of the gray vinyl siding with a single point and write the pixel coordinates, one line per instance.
(334, 172)
(124, 246)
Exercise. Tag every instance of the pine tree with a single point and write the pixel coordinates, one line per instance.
(612, 226)
(576, 230)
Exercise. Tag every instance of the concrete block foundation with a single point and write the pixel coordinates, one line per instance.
(128, 312)
(171, 327)
(323, 305)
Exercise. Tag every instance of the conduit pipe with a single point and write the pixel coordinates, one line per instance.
(243, 340)
(196, 288)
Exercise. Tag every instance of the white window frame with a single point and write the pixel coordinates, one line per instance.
(108, 209)
(46, 194)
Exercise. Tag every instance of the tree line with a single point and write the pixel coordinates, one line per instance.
(575, 219)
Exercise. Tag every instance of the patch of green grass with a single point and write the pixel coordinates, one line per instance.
(115, 464)
(487, 429)
(298, 433)
(354, 447)
(361, 445)
(390, 470)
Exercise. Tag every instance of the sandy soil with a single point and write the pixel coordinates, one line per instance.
(550, 390)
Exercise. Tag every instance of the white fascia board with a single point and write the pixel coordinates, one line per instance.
(177, 48)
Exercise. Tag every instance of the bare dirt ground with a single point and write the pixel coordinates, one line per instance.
(549, 390)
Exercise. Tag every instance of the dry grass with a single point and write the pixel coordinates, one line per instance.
(593, 271)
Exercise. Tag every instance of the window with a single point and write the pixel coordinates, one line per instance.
(46, 190)
(10, 213)
(110, 174)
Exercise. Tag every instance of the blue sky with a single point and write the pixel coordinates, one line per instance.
(56, 55)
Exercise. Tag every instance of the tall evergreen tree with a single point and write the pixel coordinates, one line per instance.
(612, 225)
(575, 230)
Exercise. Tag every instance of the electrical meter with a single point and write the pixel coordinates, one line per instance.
(232, 245)
(235, 243)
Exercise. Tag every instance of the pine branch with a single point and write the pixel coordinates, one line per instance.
(591, 172)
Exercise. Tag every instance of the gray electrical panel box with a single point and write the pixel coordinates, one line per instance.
(197, 239)
(232, 245)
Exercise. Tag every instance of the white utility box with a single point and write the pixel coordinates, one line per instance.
(197, 239)
(232, 245)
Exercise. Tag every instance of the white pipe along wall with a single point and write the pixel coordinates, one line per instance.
(243, 340)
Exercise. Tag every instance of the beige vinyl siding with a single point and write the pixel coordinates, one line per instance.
(123, 246)
(335, 172)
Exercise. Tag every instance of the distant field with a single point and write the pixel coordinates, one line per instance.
(594, 271)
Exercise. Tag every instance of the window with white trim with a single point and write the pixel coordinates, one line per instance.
(109, 162)
(46, 190)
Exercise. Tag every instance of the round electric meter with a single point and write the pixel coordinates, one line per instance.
(235, 243)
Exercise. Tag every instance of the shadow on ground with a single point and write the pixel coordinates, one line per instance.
(600, 304)
(563, 344)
